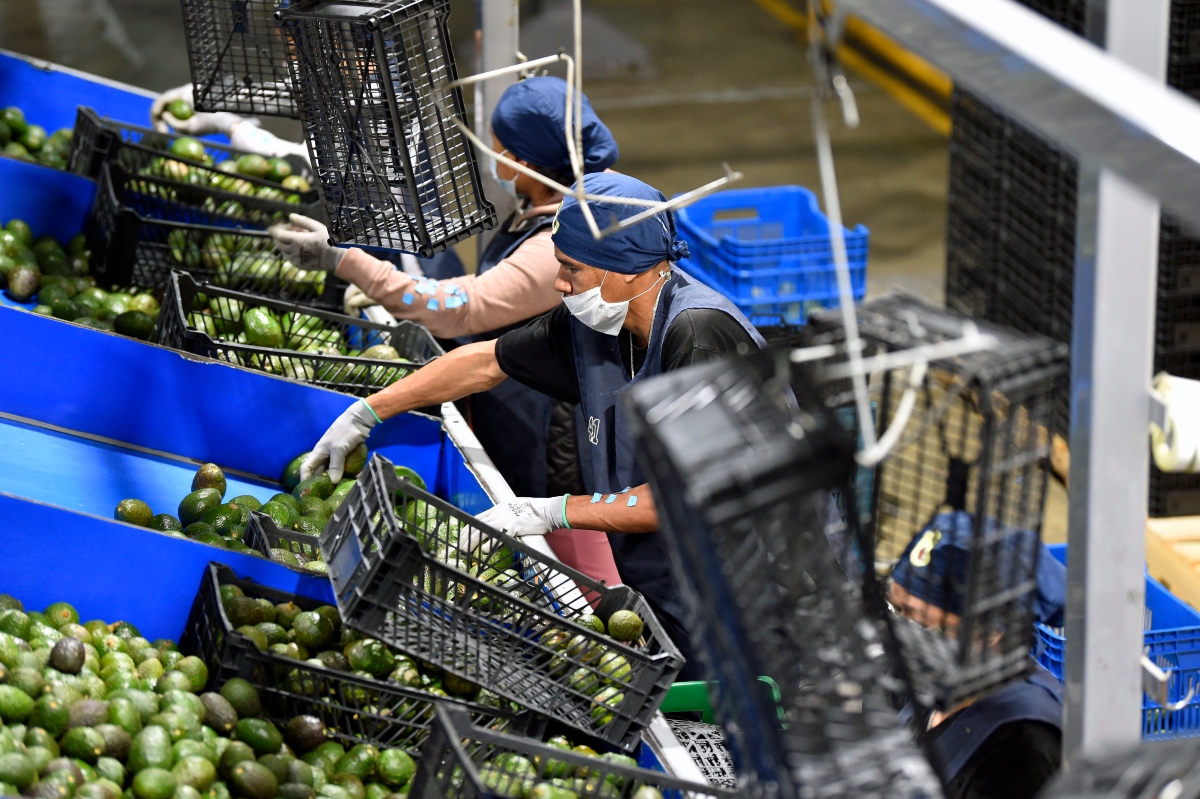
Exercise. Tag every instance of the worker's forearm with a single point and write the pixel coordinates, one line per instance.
(463, 371)
(631, 512)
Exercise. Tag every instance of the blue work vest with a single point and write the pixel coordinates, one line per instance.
(1036, 698)
(511, 419)
(606, 441)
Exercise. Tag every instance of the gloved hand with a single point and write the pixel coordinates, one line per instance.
(309, 247)
(355, 299)
(347, 432)
(526, 516)
(159, 106)
(200, 123)
(254, 139)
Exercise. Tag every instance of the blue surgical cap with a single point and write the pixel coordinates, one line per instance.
(635, 249)
(943, 548)
(530, 121)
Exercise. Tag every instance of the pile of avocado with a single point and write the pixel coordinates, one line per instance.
(251, 165)
(20, 139)
(96, 711)
(58, 278)
(239, 261)
(230, 321)
(318, 638)
(204, 515)
(516, 776)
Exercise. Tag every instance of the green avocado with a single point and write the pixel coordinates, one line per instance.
(209, 476)
(222, 518)
(134, 511)
(135, 324)
(291, 473)
(251, 780)
(318, 485)
(151, 749)
(164, 522)
(262, 328)
(193, 506)
(242, 696)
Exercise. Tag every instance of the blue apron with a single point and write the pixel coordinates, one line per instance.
(1036, 698)
(607, 448)
(511, 419)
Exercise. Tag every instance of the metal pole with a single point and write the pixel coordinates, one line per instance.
(497, 39)
(1112, 357)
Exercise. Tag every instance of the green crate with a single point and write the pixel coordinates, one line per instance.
(693, 697)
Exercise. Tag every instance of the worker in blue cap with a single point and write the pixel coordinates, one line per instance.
(1008, 744)
(627, 314)
(528, 435)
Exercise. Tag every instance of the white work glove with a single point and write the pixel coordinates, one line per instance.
(347, 432)
(308, 248)
(355, 299)
(159, 106)
(253, 139)
(526, 516)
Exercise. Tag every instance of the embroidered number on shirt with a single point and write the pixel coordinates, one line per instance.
(593, 430)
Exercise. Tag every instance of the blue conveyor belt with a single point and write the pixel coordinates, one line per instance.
(92, 477)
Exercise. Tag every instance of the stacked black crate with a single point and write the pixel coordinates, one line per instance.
(1010, 245)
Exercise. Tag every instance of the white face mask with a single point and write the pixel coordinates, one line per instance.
(509, 186)
(598, 313)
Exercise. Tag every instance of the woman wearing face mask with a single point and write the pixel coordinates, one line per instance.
(528, 435)
(627, 315)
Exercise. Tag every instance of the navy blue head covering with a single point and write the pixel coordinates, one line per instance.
(530, 121)
(934, 567)
(635, 249)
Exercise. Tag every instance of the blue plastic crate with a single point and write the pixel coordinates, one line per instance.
(1173, 639)
(769, 251)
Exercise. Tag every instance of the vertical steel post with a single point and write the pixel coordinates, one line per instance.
(497, 39)
(1111, 360)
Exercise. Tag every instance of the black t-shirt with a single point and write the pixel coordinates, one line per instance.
(540, 353)
(1013, 763)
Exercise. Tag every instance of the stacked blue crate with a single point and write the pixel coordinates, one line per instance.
(1172, 640)
(769, 251)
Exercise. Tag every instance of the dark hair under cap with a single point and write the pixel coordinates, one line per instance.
(530, 121)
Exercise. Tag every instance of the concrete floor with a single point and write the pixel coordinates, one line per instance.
(684, 84)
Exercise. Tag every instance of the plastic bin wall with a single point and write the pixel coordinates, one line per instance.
(769, 251)
(1172, 640)
(95, 418)
(49, 93)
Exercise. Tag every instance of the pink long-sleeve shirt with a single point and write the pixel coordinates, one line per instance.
(518, 288)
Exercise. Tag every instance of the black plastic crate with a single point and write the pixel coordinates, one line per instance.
(263, 535)
(464, 761)
(743, 459)
(372, 84)
(238, 56)
(1071, 14)
(143, 227)
(218, 336)
(99, 140)
(403, 565)
(1183, 55)
(974, 458)
(354, 709)
(1174, 494)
